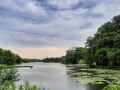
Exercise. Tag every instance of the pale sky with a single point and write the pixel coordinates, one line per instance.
(47, 28)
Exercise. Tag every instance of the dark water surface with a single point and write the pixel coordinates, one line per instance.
(53, 76)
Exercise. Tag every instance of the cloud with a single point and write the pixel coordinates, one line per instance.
(51, 23)
(28, 11)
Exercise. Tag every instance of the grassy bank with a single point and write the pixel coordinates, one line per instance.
(12, 66)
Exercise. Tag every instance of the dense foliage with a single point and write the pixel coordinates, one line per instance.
(103, 49)
(105, 44)
(8, 57)
(74, 55)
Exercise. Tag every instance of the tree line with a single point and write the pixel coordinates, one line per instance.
(8, 57)
(46, 60)
(26, 60)
(52, 59)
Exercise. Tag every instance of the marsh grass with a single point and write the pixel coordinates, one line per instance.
(26, 86)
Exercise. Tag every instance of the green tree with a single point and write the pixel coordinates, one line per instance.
(101, 57)
(114, 57)
(74, 55)
(8, 57)
(89, 57)
(70, 56)
(106, 39)
(18, 59)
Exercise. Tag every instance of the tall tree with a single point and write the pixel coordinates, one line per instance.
(106, 39)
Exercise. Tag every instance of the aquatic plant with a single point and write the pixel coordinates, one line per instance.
(96, 76)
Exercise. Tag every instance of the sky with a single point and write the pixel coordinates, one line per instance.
(47, 28)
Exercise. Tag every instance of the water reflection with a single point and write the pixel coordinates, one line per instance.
(52, 76)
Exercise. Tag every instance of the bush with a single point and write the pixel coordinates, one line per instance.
(112, 87)
(8, 74)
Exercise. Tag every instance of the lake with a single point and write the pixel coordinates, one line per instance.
(52, 76)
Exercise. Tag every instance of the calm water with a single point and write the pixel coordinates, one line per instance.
(53, 76)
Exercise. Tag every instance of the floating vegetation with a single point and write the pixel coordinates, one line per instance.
(96, 76)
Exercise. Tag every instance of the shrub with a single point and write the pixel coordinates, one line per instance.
(112, 87)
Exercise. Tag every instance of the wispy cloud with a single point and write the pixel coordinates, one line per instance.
(51, 23)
